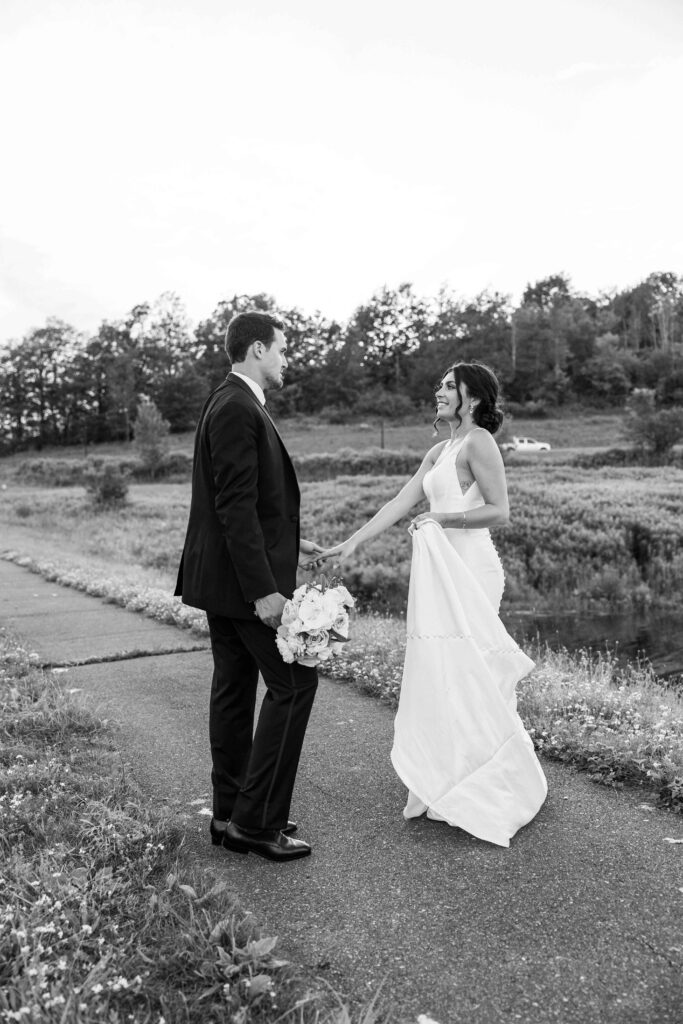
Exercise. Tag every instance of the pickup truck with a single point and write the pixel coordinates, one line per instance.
(525, 444)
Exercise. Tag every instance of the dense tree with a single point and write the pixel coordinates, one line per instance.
(650, 315)
(35, 389)
(310, 342)
(555, 331)
(558, 345)
(387, 330)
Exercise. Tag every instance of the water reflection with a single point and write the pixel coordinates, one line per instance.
(653, 637)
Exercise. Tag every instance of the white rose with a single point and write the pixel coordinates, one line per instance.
(317, 641)
(289, 614)
(341, 625)
(284, 649)
(314, 611)
(346, 598)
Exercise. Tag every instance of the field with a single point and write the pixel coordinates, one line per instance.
(578, 431)
(577, 538)
(311, 435)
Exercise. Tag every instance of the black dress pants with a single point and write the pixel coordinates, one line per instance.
(253, 773)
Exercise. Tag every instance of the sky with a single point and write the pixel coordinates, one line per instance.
(319, 152)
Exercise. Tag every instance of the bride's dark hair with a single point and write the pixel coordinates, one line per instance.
(482, 384)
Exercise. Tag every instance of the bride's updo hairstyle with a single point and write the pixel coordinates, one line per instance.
(481, 383)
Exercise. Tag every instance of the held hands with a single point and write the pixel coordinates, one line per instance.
(339, 553)
(306, 549)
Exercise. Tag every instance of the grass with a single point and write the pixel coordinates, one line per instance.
(578, 431)
(578, 538)
(101, 918)
(313, 434)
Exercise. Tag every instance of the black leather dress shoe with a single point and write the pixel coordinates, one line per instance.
(217, 833)
(269, 843)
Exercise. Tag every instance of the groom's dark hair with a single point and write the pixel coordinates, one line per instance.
(246, 328)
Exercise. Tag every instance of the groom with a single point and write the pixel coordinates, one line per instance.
(239, 564)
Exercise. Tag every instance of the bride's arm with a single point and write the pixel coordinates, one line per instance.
(486, 465)
(399, 506)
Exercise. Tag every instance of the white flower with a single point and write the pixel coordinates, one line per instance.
(314, 611)
(346, 598)
(341, 624)
(308, 619)
(290, 613)
(285, 650)
(317, 641)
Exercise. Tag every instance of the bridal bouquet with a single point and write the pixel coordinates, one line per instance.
(315, 622)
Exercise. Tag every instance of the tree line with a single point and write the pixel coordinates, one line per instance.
(556, 346)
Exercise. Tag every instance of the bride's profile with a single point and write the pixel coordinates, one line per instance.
(460, 747)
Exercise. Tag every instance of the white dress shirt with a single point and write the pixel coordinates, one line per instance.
(256, 388)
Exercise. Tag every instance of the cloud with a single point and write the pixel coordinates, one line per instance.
(586, 68)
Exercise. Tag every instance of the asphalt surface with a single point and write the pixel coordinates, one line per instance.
(579, 921)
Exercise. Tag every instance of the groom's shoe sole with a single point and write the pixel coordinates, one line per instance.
(269, 843)
(217, 833)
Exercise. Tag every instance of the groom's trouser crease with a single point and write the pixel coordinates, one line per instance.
(254, 778)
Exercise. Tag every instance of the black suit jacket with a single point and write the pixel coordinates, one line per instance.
(242, 538)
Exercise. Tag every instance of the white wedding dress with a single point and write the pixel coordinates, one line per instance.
(459, 745)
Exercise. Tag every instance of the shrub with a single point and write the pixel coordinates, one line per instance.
(72, 472)
(51, 472)
(610, 457)
(107, 484)
(339, 414)
(526, 410)
(346, 462)
(151, 432)
(176, 463)
(655, 430)
(394, 404)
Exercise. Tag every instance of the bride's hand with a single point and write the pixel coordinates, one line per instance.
(426, 517)
(339, 553)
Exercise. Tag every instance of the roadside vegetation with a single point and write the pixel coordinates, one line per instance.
(101, 918)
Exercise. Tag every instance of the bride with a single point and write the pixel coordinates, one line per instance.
(460, 747)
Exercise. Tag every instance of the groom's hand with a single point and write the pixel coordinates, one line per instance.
(307, 552)
(269, 609)
(338, 554)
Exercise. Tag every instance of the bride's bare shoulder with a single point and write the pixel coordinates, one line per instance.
(434, 452)
(482, 442)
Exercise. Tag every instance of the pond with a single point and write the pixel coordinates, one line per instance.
(656, 637)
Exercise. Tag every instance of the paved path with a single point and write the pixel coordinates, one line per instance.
(578, 922)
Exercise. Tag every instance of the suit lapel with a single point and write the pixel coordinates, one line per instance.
(232, 379)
